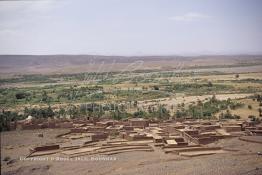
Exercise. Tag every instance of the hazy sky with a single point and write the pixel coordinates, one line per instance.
(131, 27)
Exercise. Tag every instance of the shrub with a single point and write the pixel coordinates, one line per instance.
(141, 114)
(21, 95)
(7, 158)
(252, 117)
(156, 88)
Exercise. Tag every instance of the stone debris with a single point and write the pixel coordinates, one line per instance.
(255, 139)
(186, 137)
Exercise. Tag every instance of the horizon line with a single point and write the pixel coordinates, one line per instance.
(141, 55)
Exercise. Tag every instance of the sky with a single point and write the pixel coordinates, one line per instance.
(131, 27)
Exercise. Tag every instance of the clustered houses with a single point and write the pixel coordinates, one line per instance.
(197, 131)
(142, 134)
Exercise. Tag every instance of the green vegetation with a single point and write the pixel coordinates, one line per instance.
(260, 112)
(7, 158)
(64, 94)
(228, 115)
(207, 109)
(39, 112)
(6, 117)
(29, 79)
(158, 113)
(247, 80)
(117, 95)
(197, 88)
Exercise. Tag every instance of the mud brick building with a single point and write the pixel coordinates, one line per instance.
(139, 122)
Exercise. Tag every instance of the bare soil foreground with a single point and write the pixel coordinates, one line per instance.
(242, 158)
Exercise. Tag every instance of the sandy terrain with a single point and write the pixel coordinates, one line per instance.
(189, 99)
(245, 111)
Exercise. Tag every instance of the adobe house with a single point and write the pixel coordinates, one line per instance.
(97, 136)
(139, 122)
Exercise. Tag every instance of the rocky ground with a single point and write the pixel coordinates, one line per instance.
(242, 159)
